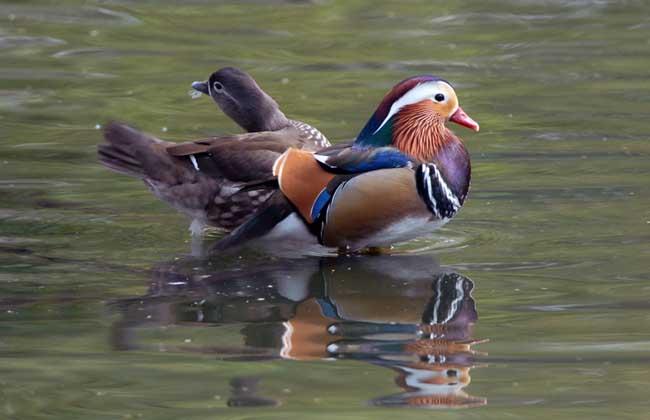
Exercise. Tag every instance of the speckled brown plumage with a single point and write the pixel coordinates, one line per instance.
(208, 192)
(202, 178)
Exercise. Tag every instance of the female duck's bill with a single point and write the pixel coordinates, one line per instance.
(201, 87)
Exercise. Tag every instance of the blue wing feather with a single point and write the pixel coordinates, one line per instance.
(357, 159)
(321, 201)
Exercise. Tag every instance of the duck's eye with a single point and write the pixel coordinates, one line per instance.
(439, 97)
(217, 86)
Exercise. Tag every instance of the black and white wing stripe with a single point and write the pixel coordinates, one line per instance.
(435, 192)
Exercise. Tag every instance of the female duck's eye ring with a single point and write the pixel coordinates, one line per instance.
(217, 86)
(439, 97)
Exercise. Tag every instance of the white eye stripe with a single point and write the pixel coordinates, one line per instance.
(419, 93)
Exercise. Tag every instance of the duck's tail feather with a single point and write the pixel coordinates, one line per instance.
(118, 162)
(275, 209)
(120, 151)
(128, 151)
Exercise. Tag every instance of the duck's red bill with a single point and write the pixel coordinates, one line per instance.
(459, 117)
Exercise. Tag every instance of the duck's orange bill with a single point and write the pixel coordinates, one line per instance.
(459, 117)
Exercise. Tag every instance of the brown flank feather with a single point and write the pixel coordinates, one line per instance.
(370, 202)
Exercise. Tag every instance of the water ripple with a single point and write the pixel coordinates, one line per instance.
(7, 42)
(16, 99)
(68, 15)
(42, 74)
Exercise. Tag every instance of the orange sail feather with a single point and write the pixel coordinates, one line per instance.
(301, 179)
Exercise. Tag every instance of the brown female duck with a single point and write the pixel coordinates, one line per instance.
(201, 178)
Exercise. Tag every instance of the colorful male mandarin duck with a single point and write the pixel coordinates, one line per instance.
(405, 175)
(202, 178)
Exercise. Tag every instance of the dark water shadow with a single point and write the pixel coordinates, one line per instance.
(400, 312)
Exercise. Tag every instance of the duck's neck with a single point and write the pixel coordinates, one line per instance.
(273, 120)
(422, 134)
(415, 130)
(263, 114)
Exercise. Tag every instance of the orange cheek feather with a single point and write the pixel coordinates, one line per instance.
(419, 130)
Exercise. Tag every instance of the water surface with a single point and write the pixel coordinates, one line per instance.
(533, 302)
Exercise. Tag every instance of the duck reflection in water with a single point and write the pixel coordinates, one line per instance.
(401, 312)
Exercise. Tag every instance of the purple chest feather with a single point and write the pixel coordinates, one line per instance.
(454, 165)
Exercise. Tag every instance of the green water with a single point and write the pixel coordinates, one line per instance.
(104, 314)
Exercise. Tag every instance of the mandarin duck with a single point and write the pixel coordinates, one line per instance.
(239, 96)
(201, 178)
(432, 358)
(405, 175)
(399, 312)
